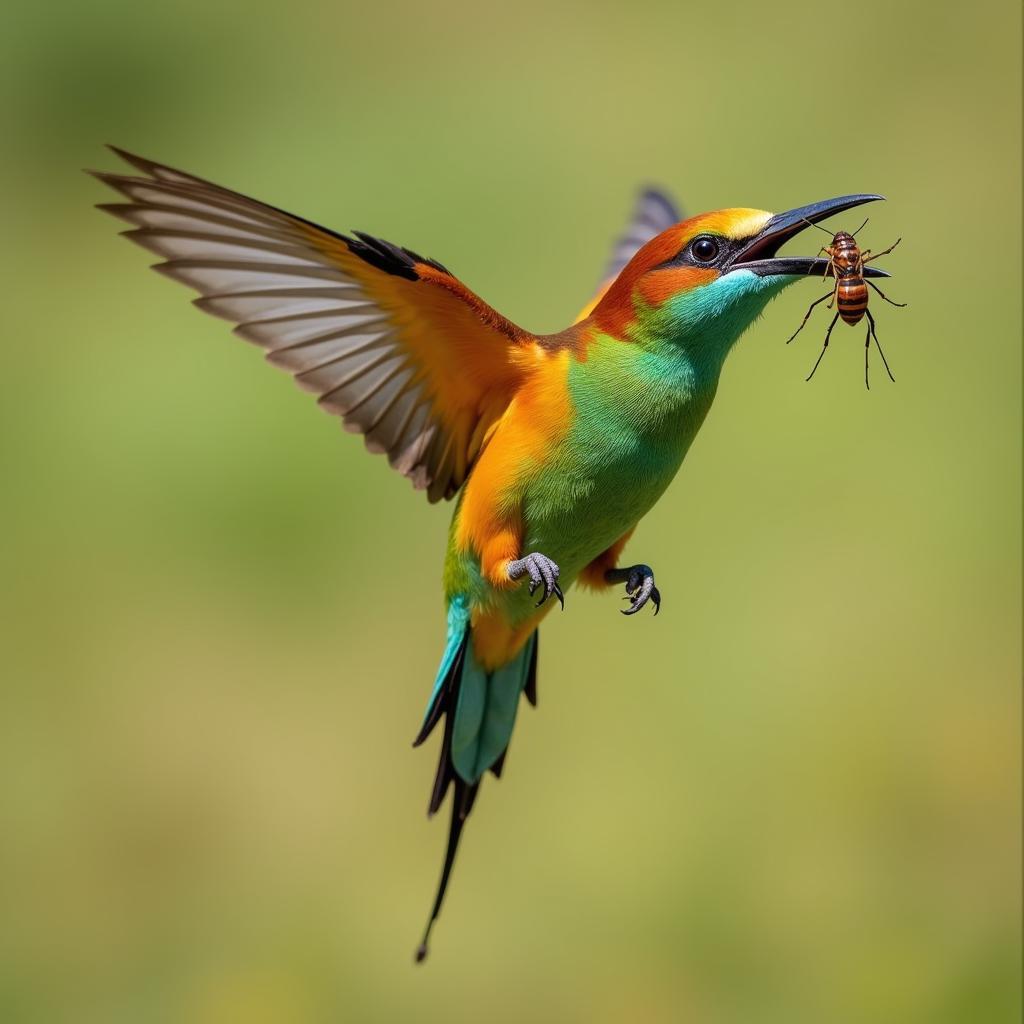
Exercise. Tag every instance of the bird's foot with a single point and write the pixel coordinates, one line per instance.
(640, 588)
(542, 572)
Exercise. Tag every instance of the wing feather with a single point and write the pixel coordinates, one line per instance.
(389, 341)
(273, 304)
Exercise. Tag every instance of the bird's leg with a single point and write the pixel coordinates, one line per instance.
(640, 588)
(825, 346)
(810, 309)
(884, 296)
(542, 572)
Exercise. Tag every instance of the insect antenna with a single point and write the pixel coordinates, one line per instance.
(858, 231)
(820, 228)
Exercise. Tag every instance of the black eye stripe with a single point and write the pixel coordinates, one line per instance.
(696, 254)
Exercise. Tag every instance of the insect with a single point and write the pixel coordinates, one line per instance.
(846, 263)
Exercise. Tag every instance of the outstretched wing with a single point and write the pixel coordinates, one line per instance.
(391, 342)
(653, 213)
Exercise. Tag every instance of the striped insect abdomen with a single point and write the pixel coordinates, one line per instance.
(852, 300)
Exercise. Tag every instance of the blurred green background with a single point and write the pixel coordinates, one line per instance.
(794, 797)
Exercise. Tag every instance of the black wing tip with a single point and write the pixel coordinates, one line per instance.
(421, 952)
(381, 255)
(392, 259)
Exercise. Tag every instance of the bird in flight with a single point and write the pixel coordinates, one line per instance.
(552, 446)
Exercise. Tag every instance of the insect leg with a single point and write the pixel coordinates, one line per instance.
(884, 296)
(884, 252)
(825, 346)
(806, 315)
(867, 349)
(874, 334)
(835, 294)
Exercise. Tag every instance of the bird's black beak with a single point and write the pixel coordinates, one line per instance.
(758, 255)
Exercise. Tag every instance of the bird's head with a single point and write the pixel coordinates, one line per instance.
(700, 284)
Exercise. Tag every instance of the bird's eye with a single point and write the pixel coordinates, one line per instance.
(705, 250)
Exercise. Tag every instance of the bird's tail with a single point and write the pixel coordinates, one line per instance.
(479, 710)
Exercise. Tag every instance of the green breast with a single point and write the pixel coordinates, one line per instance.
(636, 413)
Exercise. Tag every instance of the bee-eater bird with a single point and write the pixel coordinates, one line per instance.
(554, 446)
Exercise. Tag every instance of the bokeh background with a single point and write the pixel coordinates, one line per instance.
(794, 797)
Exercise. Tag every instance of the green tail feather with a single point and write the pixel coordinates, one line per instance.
(479, 709)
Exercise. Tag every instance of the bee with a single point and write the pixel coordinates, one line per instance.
(846, 264)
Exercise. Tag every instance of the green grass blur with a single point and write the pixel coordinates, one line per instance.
(794, 797)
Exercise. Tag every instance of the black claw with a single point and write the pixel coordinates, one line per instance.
(560, 596)
(542, 572)
(640, 588)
